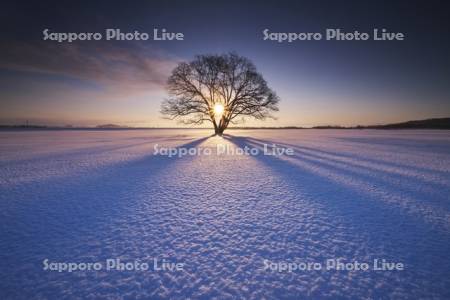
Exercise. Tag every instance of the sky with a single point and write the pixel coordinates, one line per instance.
(326, 82)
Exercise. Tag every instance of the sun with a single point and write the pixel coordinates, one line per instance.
(218, 109)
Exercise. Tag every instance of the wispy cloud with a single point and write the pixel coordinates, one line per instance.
(109, 65)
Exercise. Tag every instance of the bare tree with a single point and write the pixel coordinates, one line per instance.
(218, 89)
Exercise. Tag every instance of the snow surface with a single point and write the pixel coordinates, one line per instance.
(85, 196)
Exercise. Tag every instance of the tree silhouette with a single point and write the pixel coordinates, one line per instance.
(229, 82)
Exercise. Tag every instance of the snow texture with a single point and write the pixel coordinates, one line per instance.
(86, 196)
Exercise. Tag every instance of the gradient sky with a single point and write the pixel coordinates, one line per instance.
(319, 82)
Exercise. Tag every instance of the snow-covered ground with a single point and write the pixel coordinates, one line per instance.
(356, 196)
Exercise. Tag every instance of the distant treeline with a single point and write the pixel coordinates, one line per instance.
(437, 123)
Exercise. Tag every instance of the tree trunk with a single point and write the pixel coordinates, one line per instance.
(222, 126)
(219, 131)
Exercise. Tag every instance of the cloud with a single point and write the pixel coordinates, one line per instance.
(110, 65)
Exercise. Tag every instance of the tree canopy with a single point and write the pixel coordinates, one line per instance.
(229, 82)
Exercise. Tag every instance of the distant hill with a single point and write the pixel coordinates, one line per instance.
(114, 126)
(438, 123)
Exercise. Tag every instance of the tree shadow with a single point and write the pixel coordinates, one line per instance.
(403, 180)
(341, 156)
